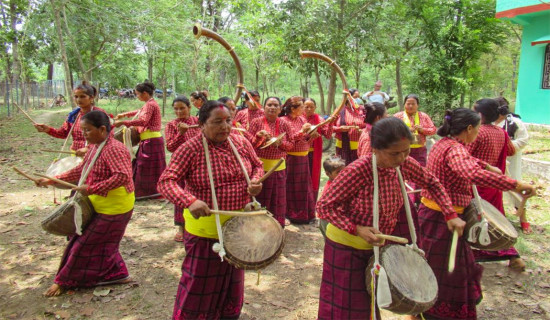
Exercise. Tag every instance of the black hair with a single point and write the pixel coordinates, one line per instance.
(225, 99)
(276, 98)
(457, 120)
(352, 91)
(388, 131)
(291, 103)
(182, 99)
(252, 93)
(199, 95)
(488, 109)
(97, 119)
(503, 106)
(310, 99)
(87, 88)
(207, 107)
(412, 96)
(148, 87)
(333, 163)
(374, 110)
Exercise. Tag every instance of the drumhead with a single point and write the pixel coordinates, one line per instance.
(63, 165)
(252, 239)
(409, 273)
(497, 219)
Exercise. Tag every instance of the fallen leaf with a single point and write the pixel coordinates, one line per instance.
(27, 215)
(87, 311)
(543, 285)
(22, 223)
(106, 299)
(85, 298)
(101, 292)
(62, 314)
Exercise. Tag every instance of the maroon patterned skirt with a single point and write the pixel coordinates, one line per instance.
(460, 291)
(148, 165)
(178, 211)
(273, 195)
(299, 192)
(208, 288)
(343, 293)
(93, 257)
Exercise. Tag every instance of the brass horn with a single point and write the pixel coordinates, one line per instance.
(199, 31)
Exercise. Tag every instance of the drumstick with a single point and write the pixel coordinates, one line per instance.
(26, 114)
(57, 151)
(67, 184)
(409, 187)
(392, 238)
(240, 213)
(267, 174)
(452, 254)
(193, 126)
(25, 175)
(414, 191)
(239, 129)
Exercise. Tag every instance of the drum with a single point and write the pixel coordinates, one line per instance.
(254, 242)
(502, 233)
(134, 134)
(61, 220)
(63, 165)
(412, 282)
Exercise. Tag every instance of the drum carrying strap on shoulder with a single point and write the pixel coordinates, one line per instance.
(480, 230)
(410, 222)
(85, 172)
(255, 204)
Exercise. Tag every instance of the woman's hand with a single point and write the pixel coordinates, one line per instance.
(182, 128)
(419, 128)
(368, 234)
(525, 190)
(493, 169)
(117, 123)
(199, 209)
(43, 182)
(306, 127)
(83, 189)
(255, 187)
(314, 135)
(456, 224)
(263, 134)
(119, 116)
(81, 152)
(42, 127)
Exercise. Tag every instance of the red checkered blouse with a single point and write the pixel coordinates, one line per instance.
(274, 128)
(78, 137)
(348, 202)
(326, 130)
(364, 142)
(174, 138)
(490, 143)
(189, 163)
(425, 122)
(245, 117)
(149, 117)
(457, 170)
(353, 118)
(300, 140)
(112, 169)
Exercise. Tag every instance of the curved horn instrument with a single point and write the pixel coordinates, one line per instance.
(199, 31)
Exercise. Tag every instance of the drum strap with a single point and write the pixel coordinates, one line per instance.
(410, 222)
(480, 230)
(255, 204)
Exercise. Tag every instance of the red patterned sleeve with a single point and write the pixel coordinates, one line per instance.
(332, 205)
(62, 132)
(173, 137)
(255, 127)
(129, 113)
(413, 171)
(428, 125)
(286, 143)
(144, 117)
(119, 164)
(255, 162)
(467, 167)
(179, 167)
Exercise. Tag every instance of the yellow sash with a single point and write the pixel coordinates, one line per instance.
(204, 226)
(434, 206)
(270, 163)
(342, 237)
(298, 154)
(408, 123)
(310, 149)
(149, 135)
(117, 201)
(353, 145)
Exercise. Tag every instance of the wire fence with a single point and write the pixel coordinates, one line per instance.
(31, 95)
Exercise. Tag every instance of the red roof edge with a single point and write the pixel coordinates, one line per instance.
(522, 10)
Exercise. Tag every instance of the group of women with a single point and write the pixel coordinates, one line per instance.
(242, 146)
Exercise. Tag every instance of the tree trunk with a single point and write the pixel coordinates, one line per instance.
(514, 70)
(163, 84)
(50, 72)
(15, 69)
(66, 68)
(320, 86)
(76, 51)
(398, 83)
(150, 67)
(357, 64)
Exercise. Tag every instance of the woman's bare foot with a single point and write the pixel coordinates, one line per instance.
(54, 291)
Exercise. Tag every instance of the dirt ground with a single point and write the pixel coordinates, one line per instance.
(288, 289)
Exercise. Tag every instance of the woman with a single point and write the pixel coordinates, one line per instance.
(316, 150)
(348, 127)
(198, 98)
(177, 132)
(273, 195)
(493, 146)
(420, 125)
(93, 258)
(356, 96)
(230, 103)
(209, 288)
(253, 111)
(373, 112)
(348, 207)
(150, 159)
(457, 170)
(517, 131)
(299, 190)
(84, 95)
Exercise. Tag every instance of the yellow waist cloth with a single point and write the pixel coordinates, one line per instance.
(117, 201)
(416, 146)
(311, 150)
(353, 145)
(270, 163)
(298, 154)
(204, 226)
(342, 237)
(434, 206)
(149, 135)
